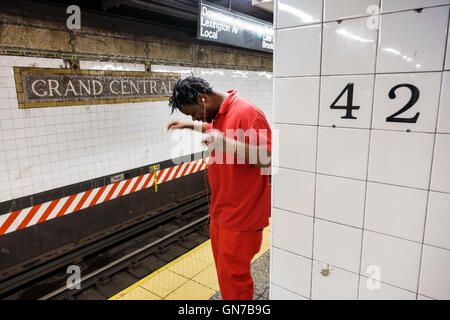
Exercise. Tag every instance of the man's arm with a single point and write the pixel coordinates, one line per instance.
(203, 126)
(263, 155)
(257, 148)
(258, 155)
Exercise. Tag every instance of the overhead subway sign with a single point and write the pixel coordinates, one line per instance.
(222, 25)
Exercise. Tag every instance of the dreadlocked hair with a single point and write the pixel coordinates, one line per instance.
(185, 91)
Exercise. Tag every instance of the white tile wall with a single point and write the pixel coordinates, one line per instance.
(444, 106)
(440, 178)
(419, 297)
(294, 191)
(340, 200)
(337, 285)
(47, 148)
(302, 57)
(278, 293)
(298, 282)
(405, 41)
(388, 207)
(288, 14)
(381, 188)
(348, 47)
(397, 5)
(397, 259)
(447, 57)
(337, 245)
(434, 275)
(400, 158)
(370, 289)
(343, 152)
(297, 100)
(438, 220)
(297, 146)
(341, 9)
(292, 232)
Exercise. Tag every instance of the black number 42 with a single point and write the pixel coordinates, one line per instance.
(415, 94)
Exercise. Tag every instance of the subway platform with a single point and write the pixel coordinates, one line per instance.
(192, 276)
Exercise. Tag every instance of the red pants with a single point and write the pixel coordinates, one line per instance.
(233, 252)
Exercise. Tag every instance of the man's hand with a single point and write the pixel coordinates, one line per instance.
(257, 156)
(215, 140)
(197, 126)
(177, 125)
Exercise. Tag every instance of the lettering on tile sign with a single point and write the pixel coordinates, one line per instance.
(395, 117)
(44, 87)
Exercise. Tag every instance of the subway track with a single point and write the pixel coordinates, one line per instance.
(119, 261)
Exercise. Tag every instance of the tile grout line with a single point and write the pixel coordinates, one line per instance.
(330, 126)
(431, 166)
(361, 180)
(317, 151)
(274, 115)
(358, 74)
(344, 270)
(360, 16)
(368, 151)
(358, 228)
(297, 294)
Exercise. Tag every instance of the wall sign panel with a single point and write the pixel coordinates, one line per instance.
(219, 24)
(48, 87)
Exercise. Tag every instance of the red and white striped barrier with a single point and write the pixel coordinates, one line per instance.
(20, 219)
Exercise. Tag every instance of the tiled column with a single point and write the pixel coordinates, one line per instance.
(361, 197)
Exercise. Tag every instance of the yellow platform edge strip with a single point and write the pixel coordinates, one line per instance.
(155, 273)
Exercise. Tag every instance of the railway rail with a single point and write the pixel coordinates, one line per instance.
(116, 261)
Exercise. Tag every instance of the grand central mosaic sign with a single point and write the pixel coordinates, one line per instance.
(43, 87)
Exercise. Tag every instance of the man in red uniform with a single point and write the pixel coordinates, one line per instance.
(239, 139)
